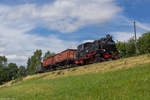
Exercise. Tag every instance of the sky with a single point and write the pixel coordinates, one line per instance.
(56, 25)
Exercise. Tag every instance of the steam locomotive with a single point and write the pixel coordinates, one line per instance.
(100, 50)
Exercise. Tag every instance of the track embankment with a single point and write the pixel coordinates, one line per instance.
(91, 68)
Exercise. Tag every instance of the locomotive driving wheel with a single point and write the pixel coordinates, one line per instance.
(97, 58)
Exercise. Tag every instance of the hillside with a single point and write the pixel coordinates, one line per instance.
(124, 79)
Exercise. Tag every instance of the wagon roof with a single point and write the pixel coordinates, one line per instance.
(62, 52)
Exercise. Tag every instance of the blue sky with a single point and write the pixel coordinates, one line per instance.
(136, 9)
(55, 25)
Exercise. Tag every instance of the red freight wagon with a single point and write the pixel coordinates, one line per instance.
(48, 61)
(60, 58)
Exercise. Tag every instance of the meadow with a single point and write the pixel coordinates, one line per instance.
(114, 80)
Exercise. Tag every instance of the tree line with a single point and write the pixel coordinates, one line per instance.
(11, 71)
(128, 48)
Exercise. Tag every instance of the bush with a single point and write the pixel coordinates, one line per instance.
(19, 79)
(74, 69)
(60, 73)
(144, 43)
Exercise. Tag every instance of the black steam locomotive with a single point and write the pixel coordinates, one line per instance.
(99, 50)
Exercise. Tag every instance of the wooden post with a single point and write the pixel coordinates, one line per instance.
(135, 37)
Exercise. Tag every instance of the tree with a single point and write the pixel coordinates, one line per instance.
(126, 49)
(4, 71)
(48, 54)
(28, 64)
(35, 62)
(1, 76)
(130, 48)
(13, 69)
(4, 75)
(144, 43)
(121, 46)
(3, 61)
(8, 73)
(22, 71)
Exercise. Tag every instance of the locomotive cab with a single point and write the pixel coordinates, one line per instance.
(83, 49)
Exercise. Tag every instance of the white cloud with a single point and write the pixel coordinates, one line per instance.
(128, 28)
(12, 57)
(61, 15)
(87, 41)
(124, 36)
(139, 25)
(18, 46)
(143, 26)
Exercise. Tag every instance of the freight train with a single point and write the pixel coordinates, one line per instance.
(100, 50)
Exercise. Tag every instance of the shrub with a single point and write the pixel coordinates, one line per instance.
(19, 79)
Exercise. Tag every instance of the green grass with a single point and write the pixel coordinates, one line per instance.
(123, 84)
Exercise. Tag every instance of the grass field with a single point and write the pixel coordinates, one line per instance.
(125, 79)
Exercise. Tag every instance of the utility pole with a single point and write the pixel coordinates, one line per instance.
(135, 36)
